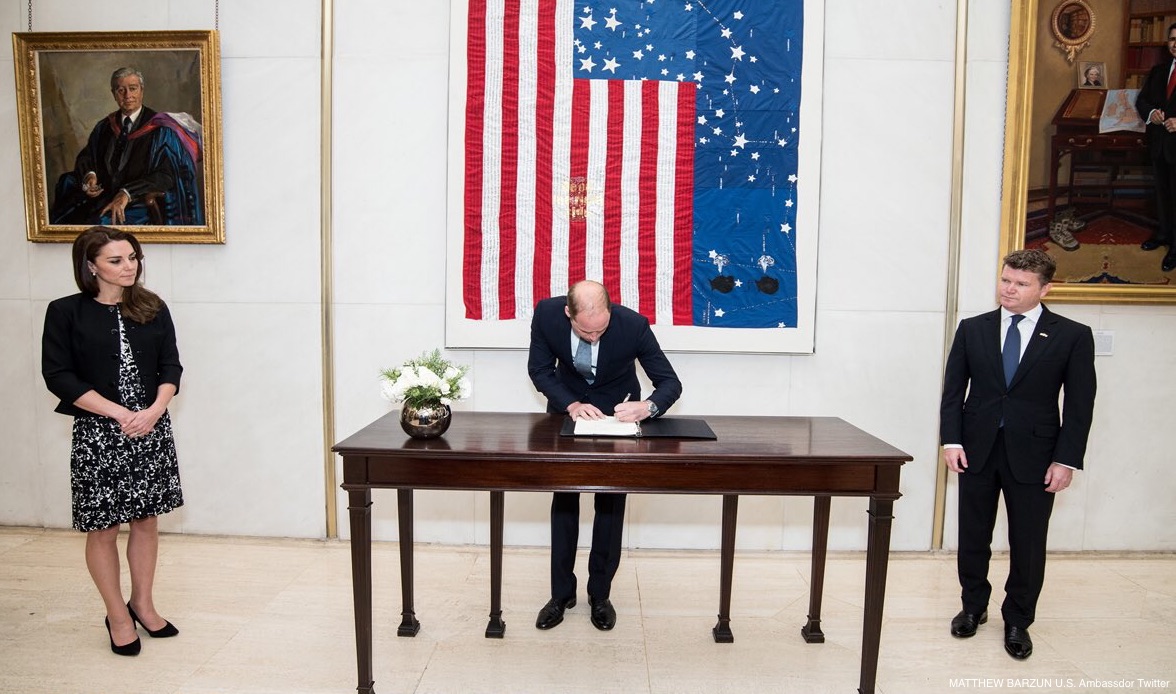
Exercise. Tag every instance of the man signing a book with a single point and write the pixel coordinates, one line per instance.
(582, 359)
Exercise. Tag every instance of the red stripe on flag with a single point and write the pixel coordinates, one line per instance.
(551, 196)
(647, 209)
(544, 126)
(577, 229)
(613, 165)
(475, 96)
(684, 206)
(507, 212)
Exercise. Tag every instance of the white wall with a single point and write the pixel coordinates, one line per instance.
(1123, 500)
(249, 416)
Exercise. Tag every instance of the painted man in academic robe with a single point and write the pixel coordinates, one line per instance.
(138, 167)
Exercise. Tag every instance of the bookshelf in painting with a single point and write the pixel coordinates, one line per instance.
(1145, 37)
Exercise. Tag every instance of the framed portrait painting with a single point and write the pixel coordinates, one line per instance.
(1092, 75)
(121, 129)
(1079, 181)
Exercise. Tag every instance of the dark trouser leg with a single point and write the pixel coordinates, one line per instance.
(605, 556)
(1029, 507)
(1165, 183)
(979, 493)
(565, 533)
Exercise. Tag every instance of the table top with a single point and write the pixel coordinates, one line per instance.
(519, 433)
(524, 451)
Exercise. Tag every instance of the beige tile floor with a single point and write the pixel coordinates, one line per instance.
(264, 615)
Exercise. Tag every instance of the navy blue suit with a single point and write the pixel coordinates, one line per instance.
(627, 341)
(1012, 458)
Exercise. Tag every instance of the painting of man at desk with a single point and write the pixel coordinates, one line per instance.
(1091, 183)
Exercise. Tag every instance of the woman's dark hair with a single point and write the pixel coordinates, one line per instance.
(138, 303)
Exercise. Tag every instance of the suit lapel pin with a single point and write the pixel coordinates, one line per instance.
(1043, 334)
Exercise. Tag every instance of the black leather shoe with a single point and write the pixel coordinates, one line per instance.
(965, 623)
(167, 630)
(131, 648)
(1152, 244)
(604, 617)
(1169, 262)
(1017, 642)
(552, 613)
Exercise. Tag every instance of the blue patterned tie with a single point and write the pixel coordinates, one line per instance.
(583, 361)
(1011, 354)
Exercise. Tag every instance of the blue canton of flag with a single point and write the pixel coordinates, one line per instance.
(744, 58)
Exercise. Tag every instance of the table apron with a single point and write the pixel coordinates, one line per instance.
(835, 478)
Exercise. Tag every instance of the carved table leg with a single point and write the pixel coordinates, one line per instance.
(722, 630)
(359, 507)
(877, 557)
(409, 626)
(496, 628)
(812, 630)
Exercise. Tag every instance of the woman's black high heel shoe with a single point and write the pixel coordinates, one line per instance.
(131, 648)
(168, 629)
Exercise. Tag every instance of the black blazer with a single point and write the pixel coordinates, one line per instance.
(628, 339)
(80, 351)
(1152, 95)
(1060, 354)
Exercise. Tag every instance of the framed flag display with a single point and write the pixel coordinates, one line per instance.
(668, 150)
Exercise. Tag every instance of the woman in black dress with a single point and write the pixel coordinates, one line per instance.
(109, 354)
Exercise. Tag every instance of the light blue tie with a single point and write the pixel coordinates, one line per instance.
(583, 361)
(1011, 354)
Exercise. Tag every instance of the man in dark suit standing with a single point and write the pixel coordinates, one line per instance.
(1157, 107)
(582, 358)
(1002, 432)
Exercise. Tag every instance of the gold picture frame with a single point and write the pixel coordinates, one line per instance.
(1028, 138)
(1072, 24)
(65, 111)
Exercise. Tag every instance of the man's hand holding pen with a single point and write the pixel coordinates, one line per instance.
(627, 411)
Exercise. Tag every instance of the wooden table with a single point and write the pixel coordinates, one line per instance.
(499, 452)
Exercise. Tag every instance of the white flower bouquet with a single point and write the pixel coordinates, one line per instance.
(428, 380)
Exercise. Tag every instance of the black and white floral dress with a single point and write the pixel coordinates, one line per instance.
(116, 478)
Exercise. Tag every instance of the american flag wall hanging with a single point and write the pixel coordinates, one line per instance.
(652, 145)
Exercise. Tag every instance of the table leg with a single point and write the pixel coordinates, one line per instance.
(877, 556)
(722, 630)
(359, 507)
(409, 626)
(812, 630)
(496, 628)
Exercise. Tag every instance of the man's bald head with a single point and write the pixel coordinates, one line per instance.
(587, 296)
(589, 310)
